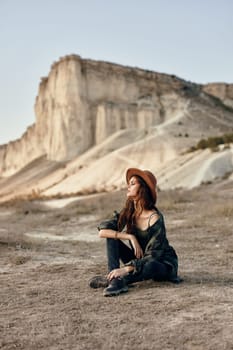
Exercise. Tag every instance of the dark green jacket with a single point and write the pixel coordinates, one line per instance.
(157, 247)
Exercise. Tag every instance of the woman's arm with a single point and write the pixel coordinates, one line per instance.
(122, 271)
(106, 233)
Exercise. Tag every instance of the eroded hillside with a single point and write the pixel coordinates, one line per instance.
(94, 119)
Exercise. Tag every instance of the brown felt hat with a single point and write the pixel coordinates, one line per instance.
(147, 176)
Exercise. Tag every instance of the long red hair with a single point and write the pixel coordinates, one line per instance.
(133, 209)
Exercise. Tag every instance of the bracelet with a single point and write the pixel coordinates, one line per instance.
(116, 233)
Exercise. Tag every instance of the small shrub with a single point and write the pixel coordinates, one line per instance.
(202, 144)
(20, 259)
(214, 149)
(213, 142)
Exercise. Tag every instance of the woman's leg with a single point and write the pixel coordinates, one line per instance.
(151, 270)
(116, 251)
(155, 270)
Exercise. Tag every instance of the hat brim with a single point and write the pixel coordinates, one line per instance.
(146, 176)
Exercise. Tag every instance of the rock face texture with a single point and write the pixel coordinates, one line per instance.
(222, 91)
(16, 154)
(94, 119)
(82, 102)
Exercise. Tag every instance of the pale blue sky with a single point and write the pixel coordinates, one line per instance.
(192, 39)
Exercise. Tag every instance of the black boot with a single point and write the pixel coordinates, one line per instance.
(116, 286)
(98, 282)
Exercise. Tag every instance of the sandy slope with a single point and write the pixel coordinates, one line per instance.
(192, 169)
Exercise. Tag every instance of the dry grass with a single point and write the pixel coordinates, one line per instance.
(46, 302)
(225, 210)
(19, 259)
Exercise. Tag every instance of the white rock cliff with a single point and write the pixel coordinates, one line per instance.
(82, 102)
(94, 119)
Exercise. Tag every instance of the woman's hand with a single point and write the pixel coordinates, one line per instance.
(136, 247)
(118, 273)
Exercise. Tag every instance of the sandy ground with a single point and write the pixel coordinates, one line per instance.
(48, 255)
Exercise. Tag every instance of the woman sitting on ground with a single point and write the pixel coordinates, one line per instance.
(148, 254)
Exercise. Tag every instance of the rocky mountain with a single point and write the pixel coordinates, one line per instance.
(94, 119)
(222, 91)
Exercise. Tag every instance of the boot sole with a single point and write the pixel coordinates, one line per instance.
(115, 293)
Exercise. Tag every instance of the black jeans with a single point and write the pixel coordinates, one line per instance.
(118, 251)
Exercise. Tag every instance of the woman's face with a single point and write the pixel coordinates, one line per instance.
(133, 187)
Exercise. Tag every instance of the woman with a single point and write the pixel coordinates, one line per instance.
(148, 255)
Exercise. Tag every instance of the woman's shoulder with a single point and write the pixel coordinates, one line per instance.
(156, 218)
(158, 211)
(153, 217)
